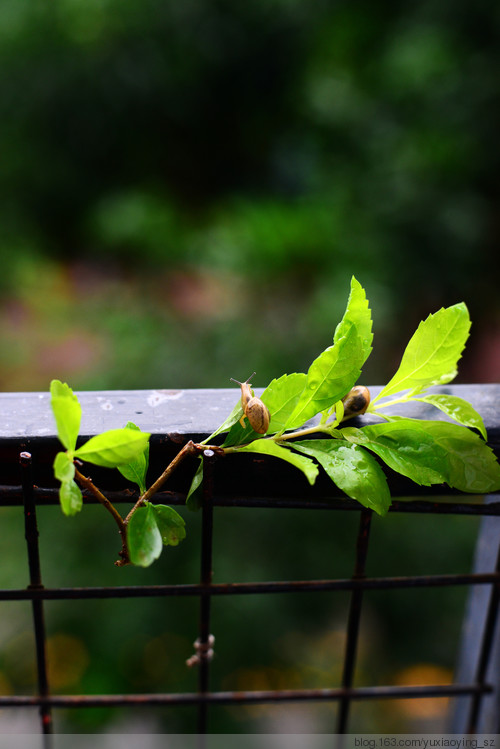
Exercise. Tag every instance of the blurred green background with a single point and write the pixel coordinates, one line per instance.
(187, 188)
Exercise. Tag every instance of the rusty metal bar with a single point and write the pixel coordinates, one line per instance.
(31, 535)
(258, 588)
(204, 641)
(439, 506)
(12, 495)
(247, 697)
(354, 617)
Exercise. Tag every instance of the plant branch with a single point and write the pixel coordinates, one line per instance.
(372, 408)
(88, 484)
(190, 448)
(326, 429)
(92, 488)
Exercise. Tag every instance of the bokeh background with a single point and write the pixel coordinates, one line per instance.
(187, 188)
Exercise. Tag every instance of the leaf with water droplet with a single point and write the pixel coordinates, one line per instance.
(143, 537)
(281, 397)
(432, 452)
(352, 469)
(457, 408)
(170, 524)
(268, 447)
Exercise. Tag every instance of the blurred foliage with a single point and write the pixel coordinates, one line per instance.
(246, 159)
(186, 190)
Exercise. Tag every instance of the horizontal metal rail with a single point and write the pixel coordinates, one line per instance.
(12, 496)
(225, 698)
(257, 588)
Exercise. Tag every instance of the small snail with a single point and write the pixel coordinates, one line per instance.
(356, 401)
(254, 409)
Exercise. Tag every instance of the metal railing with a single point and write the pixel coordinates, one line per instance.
(217, 494)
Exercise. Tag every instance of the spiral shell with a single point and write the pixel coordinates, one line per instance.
(254, 409)
(356, 401)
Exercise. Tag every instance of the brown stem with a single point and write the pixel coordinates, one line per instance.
(88, 484)
(189, 449)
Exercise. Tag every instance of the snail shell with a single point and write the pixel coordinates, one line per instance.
(356, 401)
(254, 409)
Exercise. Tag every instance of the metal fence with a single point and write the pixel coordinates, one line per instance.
(358, 583)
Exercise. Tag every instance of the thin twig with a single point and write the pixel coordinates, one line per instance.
(91, 487)
(122, 528)
(190, 448)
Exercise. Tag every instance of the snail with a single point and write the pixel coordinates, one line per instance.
(356, 401)
(254, 409)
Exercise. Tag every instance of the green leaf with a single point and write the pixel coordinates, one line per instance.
(334, 372)
(432, 452)
(339, 412)
(226, 425)
(144, 540)
(458, 409)
(268, 447)
(194, 497)
(114, 448)
(472, 465)
(337, 409)
(281, 396)
(359, 314)
(352, 469)
(433, 352)
(67, 413)
(170, 524)
(406, 449)
(329, 378)
(64, 468)
(136, 470)
(70, 497)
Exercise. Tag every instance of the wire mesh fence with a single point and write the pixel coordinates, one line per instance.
(204, 698)
(205, 590)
